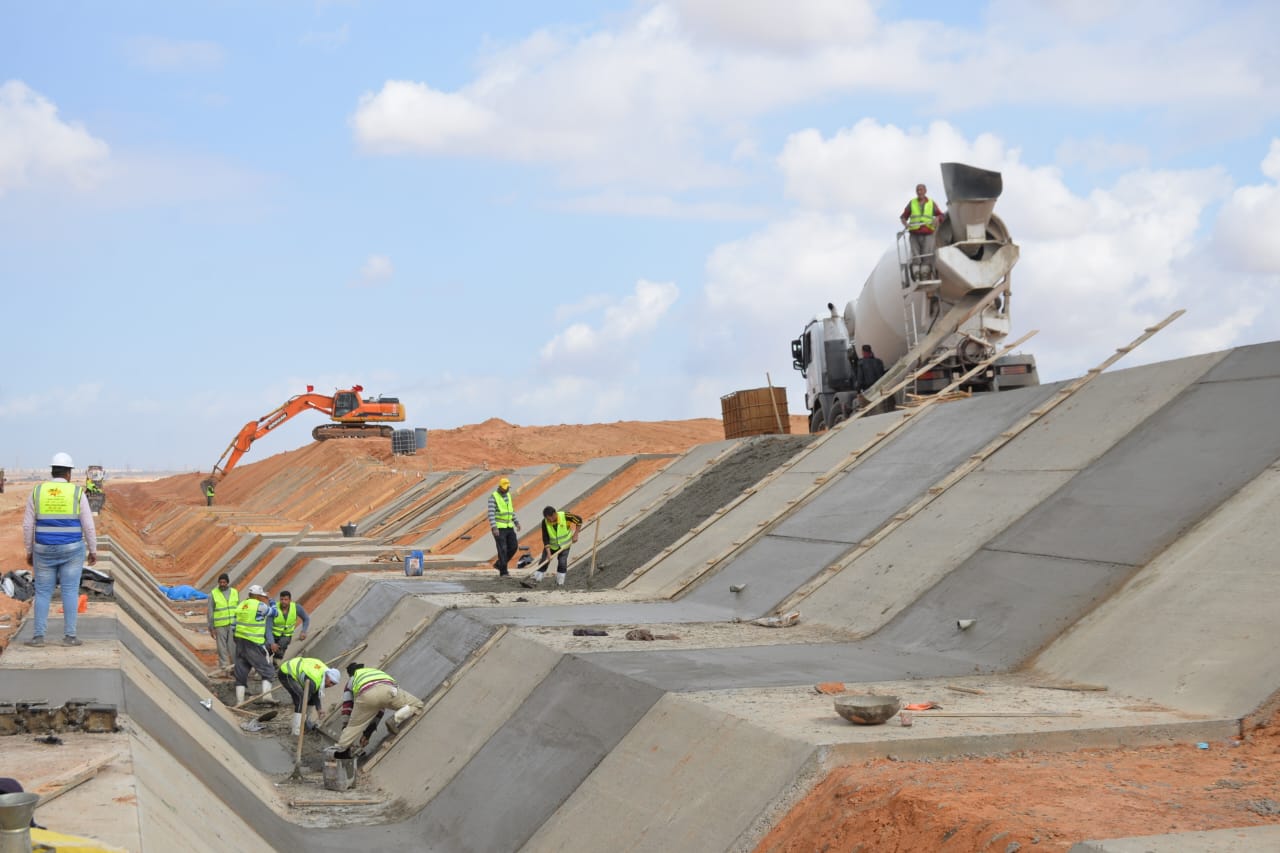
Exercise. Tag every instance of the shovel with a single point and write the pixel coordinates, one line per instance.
(296, 775)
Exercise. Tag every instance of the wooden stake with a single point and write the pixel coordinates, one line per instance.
(772, 399)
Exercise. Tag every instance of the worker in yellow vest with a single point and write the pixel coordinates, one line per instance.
(306, 676)
(253, 648)
(285, 625)
(504, 525)
(372, 692)
(223, 601)
(922, 217)
(559, 532)
(60, 538)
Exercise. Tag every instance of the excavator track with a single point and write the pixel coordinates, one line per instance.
(326, 432)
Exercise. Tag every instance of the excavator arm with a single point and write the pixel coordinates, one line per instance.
(254, 430)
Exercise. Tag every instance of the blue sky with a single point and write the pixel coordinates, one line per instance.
(584, 211)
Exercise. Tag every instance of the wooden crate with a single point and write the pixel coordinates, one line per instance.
(755, 412)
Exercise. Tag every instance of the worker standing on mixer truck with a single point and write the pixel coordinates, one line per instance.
(921, 217)
(504, 525)
(253, 619)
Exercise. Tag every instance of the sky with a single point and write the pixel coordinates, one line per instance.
(585, 211)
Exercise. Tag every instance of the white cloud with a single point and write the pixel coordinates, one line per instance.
(35, 144)
(635, 316)
(663, 206)
(769, 25)
(407, 116)
(156, 53)
(1245, 230)
(666, 97)
(377, 270)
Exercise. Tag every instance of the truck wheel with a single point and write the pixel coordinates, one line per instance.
(815, 422)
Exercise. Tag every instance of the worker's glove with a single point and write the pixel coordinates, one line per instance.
(395, 691)
(517, 524)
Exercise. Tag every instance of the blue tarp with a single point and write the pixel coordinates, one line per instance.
(183, 593)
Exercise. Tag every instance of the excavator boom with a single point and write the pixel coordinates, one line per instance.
(353, 416)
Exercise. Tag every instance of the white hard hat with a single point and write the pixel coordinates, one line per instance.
(333, 675)
(62, 460)
(257, 589)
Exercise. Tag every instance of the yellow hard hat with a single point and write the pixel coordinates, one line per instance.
(504, 482)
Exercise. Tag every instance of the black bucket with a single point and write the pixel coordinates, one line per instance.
(348, 530)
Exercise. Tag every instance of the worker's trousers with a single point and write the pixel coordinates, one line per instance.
(226, 640)
(922, 251)
(57, 566)
(251, 656)
(374, 698)
(508, 543)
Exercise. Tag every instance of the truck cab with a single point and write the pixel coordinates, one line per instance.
(822, 354)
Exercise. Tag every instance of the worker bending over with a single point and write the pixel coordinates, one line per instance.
(559, 532)
(294, 675)
(285, 623)
(372, 692)
(252, 651)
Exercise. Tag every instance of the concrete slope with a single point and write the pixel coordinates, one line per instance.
(901, 567)
(1049, 568)
(1198, 627)
(581, 481)
(823, 528)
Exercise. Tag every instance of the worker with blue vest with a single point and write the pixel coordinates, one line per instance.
(285, 625)
(306, 676)
(922, 217)
(559, 532)
(60, 537)
(372, 692)
(223, 601)
(503, 524)
(253, 645)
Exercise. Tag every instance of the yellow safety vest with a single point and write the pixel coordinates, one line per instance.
(57, 505)
(298, 668)
(364, 677)
(248, 626)
(224, 607)
(920, 218)
(284, 623)
(560, 535)
(506, 514)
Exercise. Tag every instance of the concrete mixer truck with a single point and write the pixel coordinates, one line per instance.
(951, 307)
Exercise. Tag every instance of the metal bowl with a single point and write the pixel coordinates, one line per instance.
(866, 709)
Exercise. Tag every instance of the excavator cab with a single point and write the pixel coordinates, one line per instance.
(344, 403)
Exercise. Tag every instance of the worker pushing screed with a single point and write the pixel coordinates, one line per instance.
(559, 531)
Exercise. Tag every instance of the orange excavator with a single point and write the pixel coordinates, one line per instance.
(353, 417)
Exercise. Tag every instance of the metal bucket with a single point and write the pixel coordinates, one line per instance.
(339, 773)
(15, 821)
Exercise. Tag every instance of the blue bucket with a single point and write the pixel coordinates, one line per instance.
(413, 564)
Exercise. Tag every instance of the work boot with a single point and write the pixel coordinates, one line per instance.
(560, 576)
(239, 694)
(297, 725)
(72, 641)
(266, 688)
(35, 641)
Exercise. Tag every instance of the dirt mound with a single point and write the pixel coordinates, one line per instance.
(1037, 801)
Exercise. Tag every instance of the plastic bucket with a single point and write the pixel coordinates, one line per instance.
(348, 530)
(413, 564)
